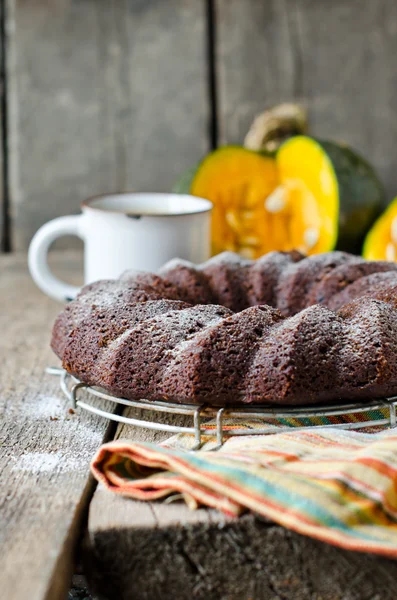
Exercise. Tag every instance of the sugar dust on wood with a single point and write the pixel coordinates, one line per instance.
(55, 409)
(46, 462)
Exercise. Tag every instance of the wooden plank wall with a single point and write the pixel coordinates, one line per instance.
(110, 94)
(3, 207)
(337, 58)
(116, 94)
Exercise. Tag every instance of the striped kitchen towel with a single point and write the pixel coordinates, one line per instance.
(337, 486)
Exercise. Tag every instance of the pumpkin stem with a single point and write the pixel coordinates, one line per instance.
(272, 127)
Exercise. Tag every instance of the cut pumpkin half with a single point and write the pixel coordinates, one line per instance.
(311, 196)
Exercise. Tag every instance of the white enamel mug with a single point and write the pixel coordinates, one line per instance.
(124, 231)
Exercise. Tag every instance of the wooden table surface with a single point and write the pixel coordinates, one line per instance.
(51, 511)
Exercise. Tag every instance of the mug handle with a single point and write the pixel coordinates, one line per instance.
(38, 257)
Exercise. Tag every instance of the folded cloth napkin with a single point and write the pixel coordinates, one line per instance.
(334, 485)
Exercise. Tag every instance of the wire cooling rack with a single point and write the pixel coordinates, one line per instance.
(225, 422)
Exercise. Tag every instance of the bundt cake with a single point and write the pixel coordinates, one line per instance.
(284, 329)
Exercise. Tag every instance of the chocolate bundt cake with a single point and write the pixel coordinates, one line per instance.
(284, 329)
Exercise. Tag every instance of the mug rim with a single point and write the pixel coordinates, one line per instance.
(88, 203)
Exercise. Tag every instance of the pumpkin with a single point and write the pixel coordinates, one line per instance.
(311, 195)
(381, 241)
(334, 195)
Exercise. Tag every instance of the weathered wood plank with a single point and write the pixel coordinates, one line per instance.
(111, 96)
(237, 560)
(137, 550)
(3, 209)
(44, 450)
(335, 57)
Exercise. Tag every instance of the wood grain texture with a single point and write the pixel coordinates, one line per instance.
(144, 551)
(44, 450)
(111, 96)
(3, 209)
(214, 558)
(338, 58)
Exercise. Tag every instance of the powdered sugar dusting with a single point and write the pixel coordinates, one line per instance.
(86, 433)
(55, 410)
(226, 258)
(188, 317)
(44, 407)
(131, 274)
(174, 263)
(118, 341)
(193, 340)
(46, 462)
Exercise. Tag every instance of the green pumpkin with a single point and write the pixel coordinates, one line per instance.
(311, 195)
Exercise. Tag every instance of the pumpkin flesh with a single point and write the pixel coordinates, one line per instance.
(313, 196)
(238, 181)
(262, 204)
(311, 186)
(381, 241)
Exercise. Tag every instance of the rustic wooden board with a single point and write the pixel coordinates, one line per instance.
(44, 450)
(143, 551)
(111, 96)
(336, 57)
(3, 220)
